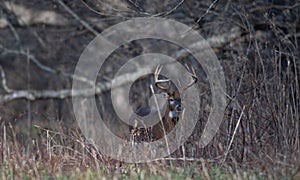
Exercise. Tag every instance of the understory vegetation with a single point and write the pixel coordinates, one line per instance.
(257, 44)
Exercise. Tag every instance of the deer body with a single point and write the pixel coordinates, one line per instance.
(169, 119)
(169, 116)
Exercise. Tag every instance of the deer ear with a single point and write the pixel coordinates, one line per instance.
(165, 94)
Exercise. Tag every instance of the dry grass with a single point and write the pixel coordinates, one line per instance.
(56, 155)
(260, 134)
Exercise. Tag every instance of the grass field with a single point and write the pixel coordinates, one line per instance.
(53, 155)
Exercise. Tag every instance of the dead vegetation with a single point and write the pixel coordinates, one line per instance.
(257, 43)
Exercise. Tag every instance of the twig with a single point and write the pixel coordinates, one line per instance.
(112, 8)
(93, 10)
(136, 6)
(170, 11)
(234, 132)
(214, 41)
(30, 56)
(105, 14)
(13, 30)
(206, 12)
(164, 13)
(42, 66)
(3, 81)
(161, 121)
(204, 169)
(203, 15)
(85, 24)
(192, 159)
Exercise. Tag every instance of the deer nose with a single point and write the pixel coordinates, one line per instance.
(178, 107)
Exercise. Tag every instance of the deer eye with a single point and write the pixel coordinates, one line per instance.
(172, 101)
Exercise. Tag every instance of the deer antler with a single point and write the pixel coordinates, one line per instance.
(193, 77)
(158, 81)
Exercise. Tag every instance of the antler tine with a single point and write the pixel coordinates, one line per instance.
(193, 76)
(157, 81)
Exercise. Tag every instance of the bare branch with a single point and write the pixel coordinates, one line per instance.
(203, 15)
(65, 93)
(234, 133)
(41, 65)
(115, 14)
(170, 11)
(44, 94)
(84, 23)
(135, 6)
(137, 10)
(215, 41)
(3, 82)
(27, 16)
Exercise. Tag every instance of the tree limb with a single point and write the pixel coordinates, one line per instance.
(215, 41)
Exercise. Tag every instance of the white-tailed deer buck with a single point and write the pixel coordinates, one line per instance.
(172, 110)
